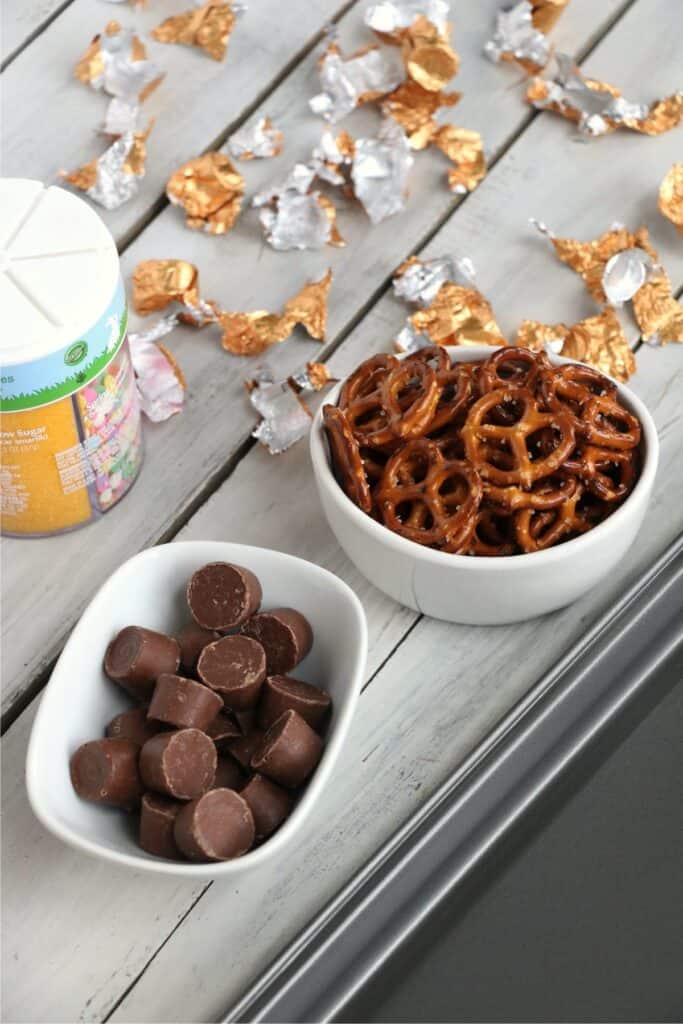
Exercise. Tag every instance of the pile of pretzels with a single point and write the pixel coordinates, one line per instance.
(502, 457)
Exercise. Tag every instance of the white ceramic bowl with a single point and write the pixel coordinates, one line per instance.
(149, 590)
(484, 591)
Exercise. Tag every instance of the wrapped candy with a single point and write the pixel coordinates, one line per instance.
(116, 62)
(389, 17)
(458, 315)
(414, 109)
(113, 178)
(659, 315)
(671, 196)
(210, 191)
(253, 333)
(418, 281)
(348, 82)
(465, 149)
(517, 39)
(208, 27)
(598, 340)
(332, 157)
(158, 283)
(160, 381)
(429, 58)
(380, 171)
(300, 221)
(598, 108)
(285, 417)
(257, 141)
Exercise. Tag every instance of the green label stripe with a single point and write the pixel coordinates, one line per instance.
(74, 382)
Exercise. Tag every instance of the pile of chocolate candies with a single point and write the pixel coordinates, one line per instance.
(213, 758)
(501, 457)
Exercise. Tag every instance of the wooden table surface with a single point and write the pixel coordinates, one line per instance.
(82, 940)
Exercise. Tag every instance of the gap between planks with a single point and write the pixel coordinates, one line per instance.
(223, 472)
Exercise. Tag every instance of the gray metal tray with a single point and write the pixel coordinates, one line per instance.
(349, 941)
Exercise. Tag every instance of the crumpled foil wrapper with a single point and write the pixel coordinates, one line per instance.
(409, 340)
(389, 17)
(465, 149)
(348, 82)
(299, 180)
(429, 58)
(116, 63)
(257, 141)
(458, 315)
(252, 333)
(207, 27)
(625, 273)
(380, 171)
(671, 196)
(300, 221)
(160, 381)
(658, 314)
(598, 340)
(516, 38)
(158, 283)
(332, 157)
(414, 108)
(419, 281)
(285, 417)
(598, 108)
(210, 190)
(113, 178)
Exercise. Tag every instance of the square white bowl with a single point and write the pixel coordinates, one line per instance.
(79, 701)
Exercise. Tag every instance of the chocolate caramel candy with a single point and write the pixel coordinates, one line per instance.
(282, 693)
(157, 818)
(183, 703)
(222, 596)
(106, 772)
(217, 826)
(235, 667)
(222, 729)
(228, 775)
(192, 640)
(136, 656)
(289, 752)
(244, 747)
(285, 635)
(133, 725)
(245, 719)
(269, 803)
(181, 764)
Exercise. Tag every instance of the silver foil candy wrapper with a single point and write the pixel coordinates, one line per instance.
(515, 36)
(625, 274)
(409, 339)
(595, 108)
(345, 81)
(296, 221)
(299, 180)
(380, 171)
(285, 418)
(121, 116)
(114, 185)
(326, 157)
(259, 140)
(160, 385)
(389, 16)
(420, 281)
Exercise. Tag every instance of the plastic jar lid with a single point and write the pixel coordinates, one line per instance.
(59, 270)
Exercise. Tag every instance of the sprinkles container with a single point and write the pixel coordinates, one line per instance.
(71, 443)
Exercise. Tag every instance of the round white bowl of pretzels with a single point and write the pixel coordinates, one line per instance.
(482, 485)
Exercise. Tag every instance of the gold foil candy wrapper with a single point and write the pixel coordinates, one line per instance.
(546, 13)
(429, 58)
(348, 82)
(598, 108)
(625, 274)
(465, 149)
(158, 283)
(598, 340)
(113, 178)
(380, 171)
(210, 190)
(332, 157)
(389, 17)
(207, 27)
(659, 315)
(253, 333)
(257, 141)
(419, 281)
(116, 63)
(160, 381)
(313, 377)
(671, 196)
(517, 37)
(458, 316)
(414, 109)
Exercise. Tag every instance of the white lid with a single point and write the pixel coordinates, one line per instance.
(59, 269)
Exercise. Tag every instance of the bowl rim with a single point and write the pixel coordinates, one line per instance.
(478, 353)
(355, 670)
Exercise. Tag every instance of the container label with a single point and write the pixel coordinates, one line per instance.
(60, 374)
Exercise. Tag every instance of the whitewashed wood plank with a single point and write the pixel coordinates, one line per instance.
(22, 20)
(51, 119)
(239, 270)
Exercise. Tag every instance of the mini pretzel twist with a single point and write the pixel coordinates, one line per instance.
(417, 382)
(346, 457)
(608, 473)
(478, 434)
(536, 530)
(512, 366)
